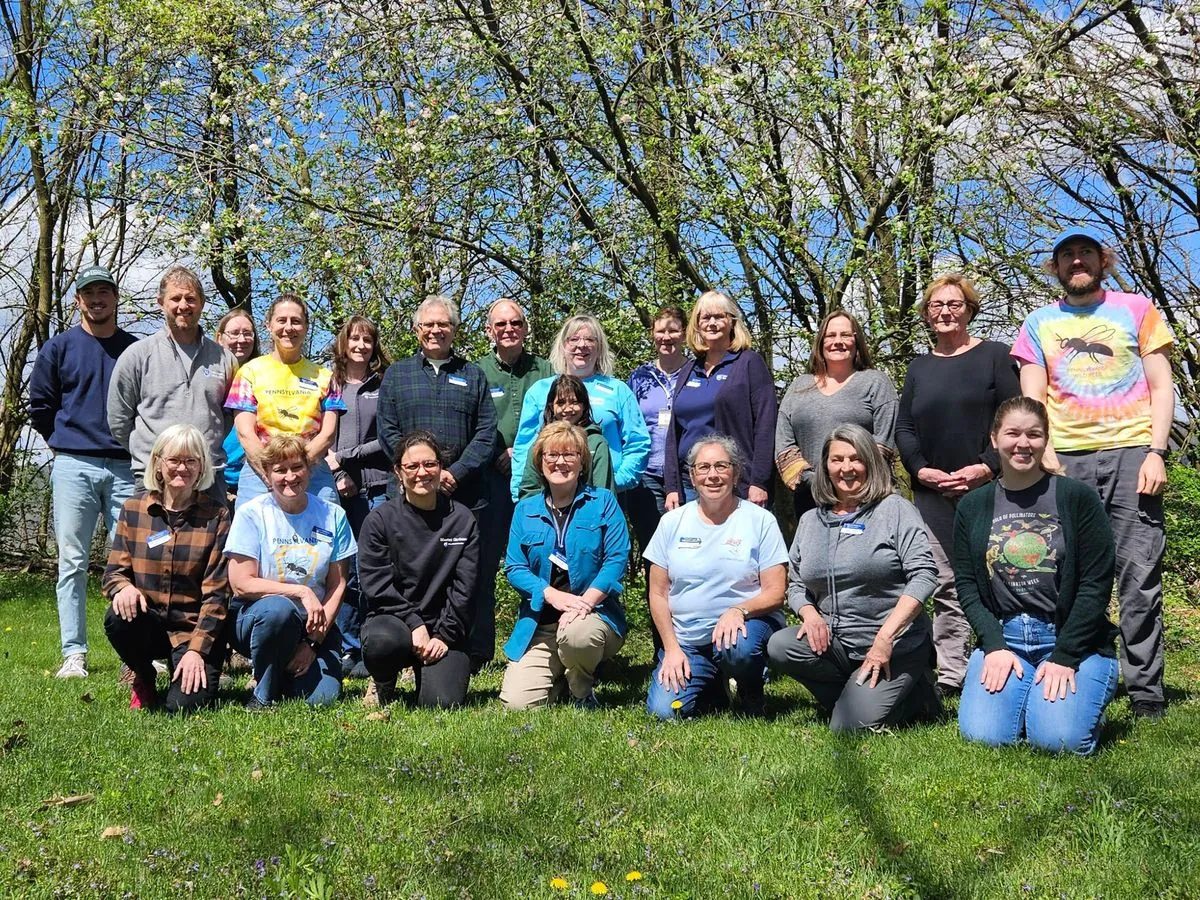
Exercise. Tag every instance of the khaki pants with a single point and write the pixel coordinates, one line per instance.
(559, 658)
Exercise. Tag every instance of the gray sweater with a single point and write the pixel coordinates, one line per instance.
(854, 578)
(155, 385)
(806, 416)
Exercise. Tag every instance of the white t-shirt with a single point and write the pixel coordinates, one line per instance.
(292, 549)
(713, 567)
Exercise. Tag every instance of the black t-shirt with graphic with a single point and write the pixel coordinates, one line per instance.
(1024, 549)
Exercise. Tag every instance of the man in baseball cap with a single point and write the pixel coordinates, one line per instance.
(68, 392)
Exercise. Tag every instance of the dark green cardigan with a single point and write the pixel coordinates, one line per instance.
(1084, 579)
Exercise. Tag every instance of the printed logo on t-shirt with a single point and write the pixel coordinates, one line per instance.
(1021, 547)
(722, 376)
(453, 541)
(296, 562)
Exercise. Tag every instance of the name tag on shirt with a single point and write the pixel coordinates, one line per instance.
(320, 534)
(689, 543)
(158, 538)
(602, 388)
(496, 392)
(692, 383)
(457, 380)
(664, 418)
(308, 383)
(853, 528)
(558, 561)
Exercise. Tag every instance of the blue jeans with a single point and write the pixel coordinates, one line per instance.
(267, 632)
(320, 484)
(1068, 725)
(83, 489)
(744, 662)
(354, 608)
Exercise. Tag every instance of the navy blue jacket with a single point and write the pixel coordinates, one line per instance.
(68, 392)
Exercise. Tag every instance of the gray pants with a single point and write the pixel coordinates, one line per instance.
(831, 679)
(1137, 525)
(951, 630)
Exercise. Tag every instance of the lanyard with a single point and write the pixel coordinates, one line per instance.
(560, 531)
(663, 383)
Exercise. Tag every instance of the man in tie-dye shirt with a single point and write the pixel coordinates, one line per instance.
(1099, 360)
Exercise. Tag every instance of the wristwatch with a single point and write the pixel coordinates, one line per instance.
(1159, 452)
(745, 612)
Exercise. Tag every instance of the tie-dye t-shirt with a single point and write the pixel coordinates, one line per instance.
(1097, 394)
(288, 399)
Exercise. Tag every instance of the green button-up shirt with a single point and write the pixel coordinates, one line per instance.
(507, 386)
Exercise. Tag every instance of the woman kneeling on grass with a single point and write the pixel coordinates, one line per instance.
(861, 571)
(417, 565)
(1033, 560)
(567, 553)
(717, 580)
(288, 553)
(166, 576)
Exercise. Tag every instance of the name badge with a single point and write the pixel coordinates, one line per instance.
(692, 383)
(320, 534)
(158, 538)
(689, 543)
(853, 528)
(308, 383)
(558, 561)
(722, 377)
(457, 380)
(664, 418)
(497, 393)
(602, 388)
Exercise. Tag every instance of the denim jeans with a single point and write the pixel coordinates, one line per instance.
(320, 484)
(1068, 725)
(744, 662)
(267, 632)
(83, 489)
(354, 607)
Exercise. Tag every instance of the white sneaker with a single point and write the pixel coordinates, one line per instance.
(75, 666)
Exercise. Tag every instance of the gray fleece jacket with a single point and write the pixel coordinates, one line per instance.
(855, 568)
(155, 385)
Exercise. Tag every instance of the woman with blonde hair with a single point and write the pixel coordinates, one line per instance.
(725, 388)
(581, 349)
(166, 576)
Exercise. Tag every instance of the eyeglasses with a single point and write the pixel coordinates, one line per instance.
(511, 323)
(719, 467)
(180, 462)
(714, 317)
(567, 456)
(429, 465)
(429, 326)
(581, 342)
(249, 335)
(954, 306)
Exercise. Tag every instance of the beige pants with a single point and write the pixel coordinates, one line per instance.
(559, 658)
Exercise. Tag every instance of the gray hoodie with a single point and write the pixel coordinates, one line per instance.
(854, 569)
(155, 384)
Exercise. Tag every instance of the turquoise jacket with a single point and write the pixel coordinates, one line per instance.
(614, 409)
(597, 544)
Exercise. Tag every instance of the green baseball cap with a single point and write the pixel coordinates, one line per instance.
(94, 275)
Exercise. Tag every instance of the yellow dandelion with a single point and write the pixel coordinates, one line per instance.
(635, 875)
(9, 628)
(677, 704)
(599, 888)
(559, 884)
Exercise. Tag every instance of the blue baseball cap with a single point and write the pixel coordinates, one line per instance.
(1079, 231)
(94, 275)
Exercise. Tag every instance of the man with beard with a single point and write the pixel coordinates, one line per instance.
(68, 391)
(1099, 360)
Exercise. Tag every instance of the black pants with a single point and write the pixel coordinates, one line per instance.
(144, 640)
(643, 504)
(387, 648)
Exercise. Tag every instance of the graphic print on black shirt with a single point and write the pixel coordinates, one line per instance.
(1024, 547)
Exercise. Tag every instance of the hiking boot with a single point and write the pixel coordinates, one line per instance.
(74, 666)
(1149, 709)
(142, 694)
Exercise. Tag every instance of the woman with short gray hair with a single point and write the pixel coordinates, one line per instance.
(860, 571)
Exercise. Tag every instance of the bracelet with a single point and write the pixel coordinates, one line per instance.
(745, 612)
(313, 645)
(1158, 452)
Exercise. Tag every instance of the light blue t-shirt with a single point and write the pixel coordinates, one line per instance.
(292, 549)
(714, 567)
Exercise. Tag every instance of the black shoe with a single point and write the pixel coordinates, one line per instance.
(385, 691)
(254, 704)
(1149, 709)
(947, 691)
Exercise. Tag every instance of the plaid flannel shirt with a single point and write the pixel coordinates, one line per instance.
(181, 571)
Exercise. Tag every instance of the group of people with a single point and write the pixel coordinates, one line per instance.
(351, 520)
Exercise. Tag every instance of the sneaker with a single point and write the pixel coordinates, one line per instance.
(125, 677)
(142, 694)
(75, 666)
(1149, 709)
(254, 704)
(159, 666)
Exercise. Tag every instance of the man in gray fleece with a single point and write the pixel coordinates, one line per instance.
(175, 376)
(859, 582)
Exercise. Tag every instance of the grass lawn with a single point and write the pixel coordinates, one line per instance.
(479, 803)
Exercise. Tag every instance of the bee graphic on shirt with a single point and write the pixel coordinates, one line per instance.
(293, 569)
(1091, 343)
(288, 414)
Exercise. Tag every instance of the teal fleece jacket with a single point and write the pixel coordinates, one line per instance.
(1084, 579)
